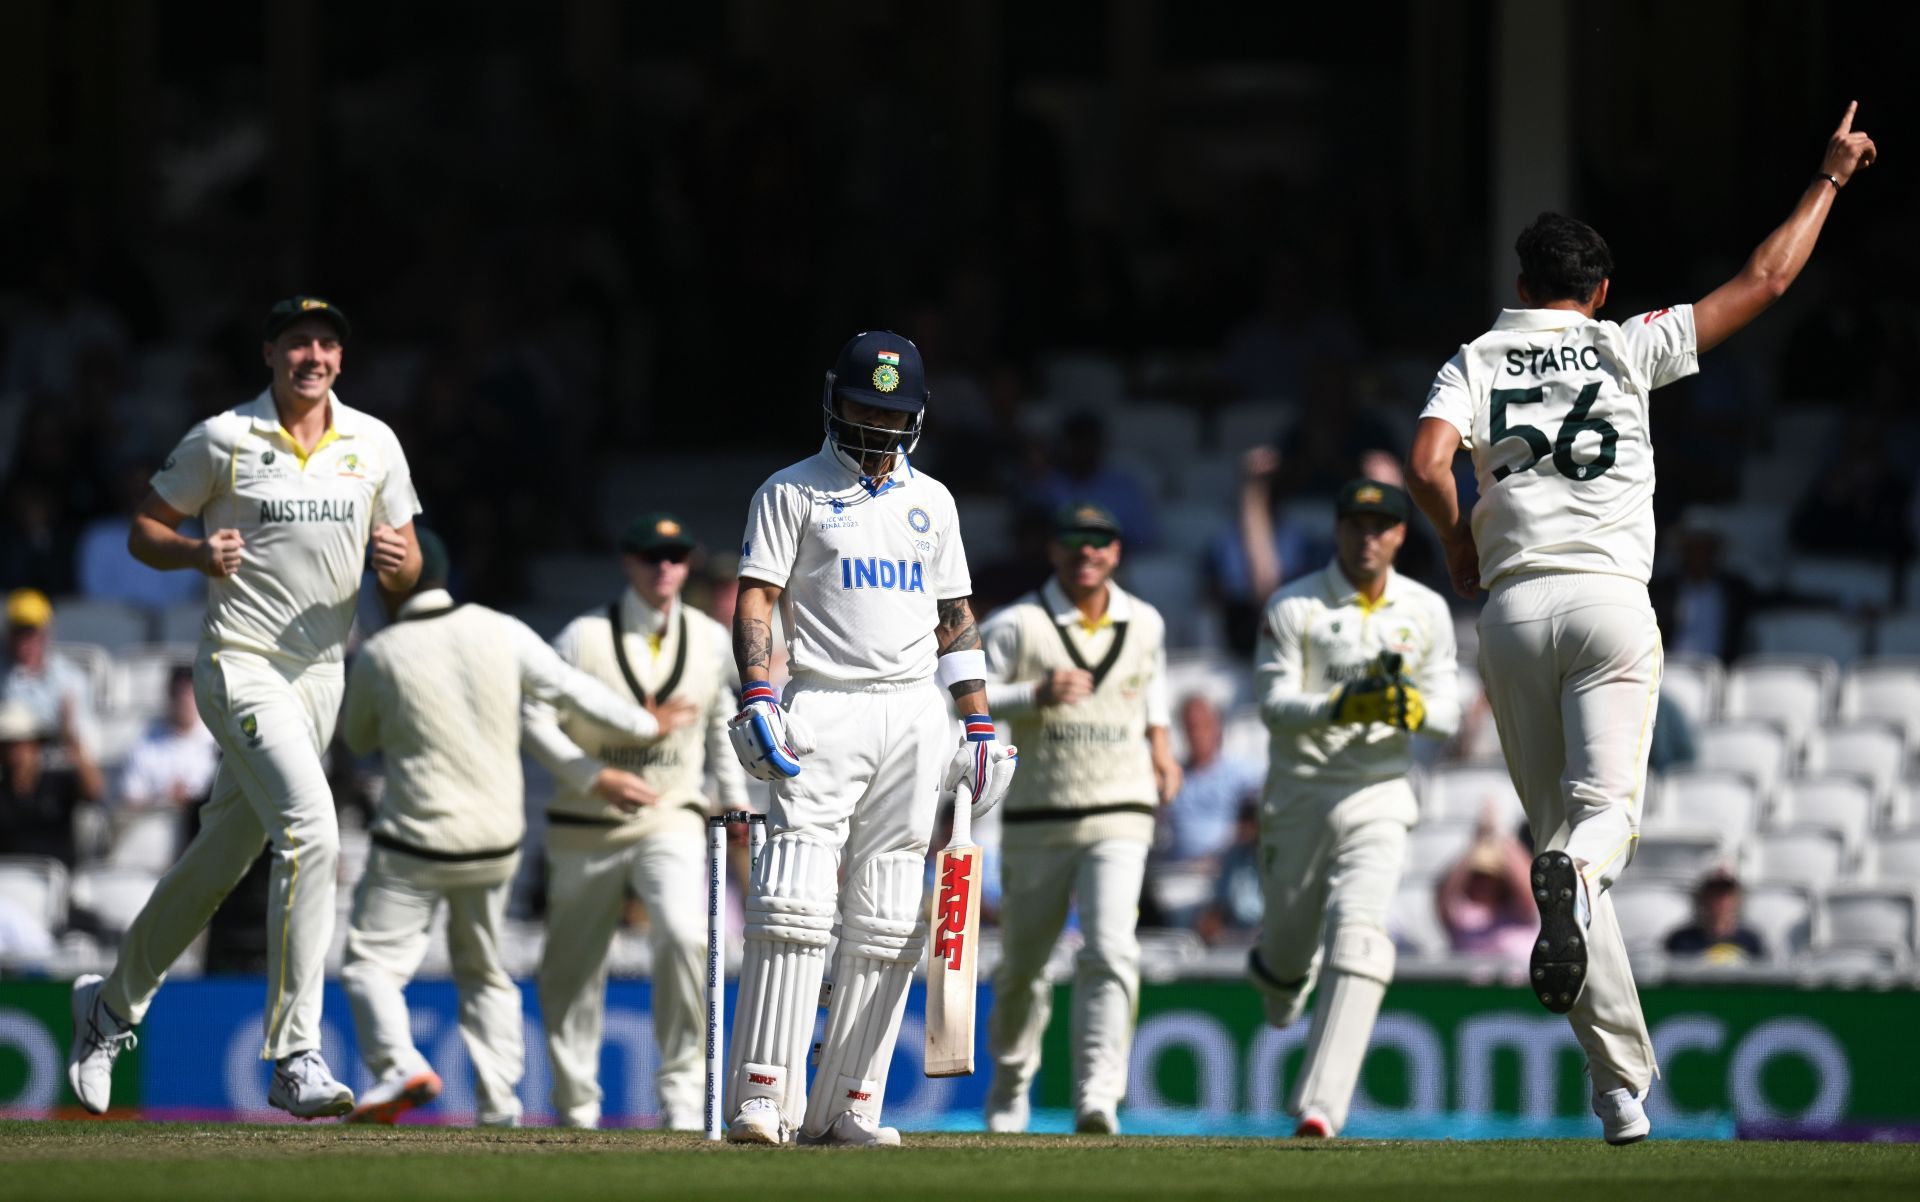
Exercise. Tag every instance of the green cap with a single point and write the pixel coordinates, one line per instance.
(1085, 517)
(656, 532)
(285, 313)
(1372, 496)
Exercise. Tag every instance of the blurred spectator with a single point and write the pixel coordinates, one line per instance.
(1703, 607)
(1857, 502)
(1715, 936)
(172, 766)
(53, 691)
(1081, 473)
(1673, 745)
(1238, 900)
(1008, 575)
(1484, 901)
(59, 326)
(1199, 824)
(37, 799)
(36, 546)
(107, 571)
(1270, 353)
(1260, 550)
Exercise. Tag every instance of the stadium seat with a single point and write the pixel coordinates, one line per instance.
(1846, 580)
(1190, 526)
(137, 677)
(1081, 380)
(1854, 960)
(1782, 915)
(113, 895)
(1837, 801)
(1247, 424)
(181, 622)
(1156, 429)
(1751, 533)
(147, 840)
(1808, 632)
(1706, 798)
(1884, 687)
(1433, 848)
(1457, 793)
(110, 624)
(1873, 749)
(1866, 914)
(37, 885)
(1413, 921)
(1245, 736)
(1811, 858)
(1795, 692)
(1695, 684)
(1168, 581)
(1649, 911)
(95, 662)
(1893, 858)
(1680, 856)
(1757, 749)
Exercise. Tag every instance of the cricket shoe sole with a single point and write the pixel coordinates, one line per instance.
(387, 1101)
(1558, 968)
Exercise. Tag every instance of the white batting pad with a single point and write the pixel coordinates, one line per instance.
(789, 919)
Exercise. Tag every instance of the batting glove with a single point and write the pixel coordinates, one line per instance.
(982, 767)
(763, 735)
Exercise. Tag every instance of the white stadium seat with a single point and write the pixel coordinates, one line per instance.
(1757, 749)
(94, 662)
(1854, 960)
(37, 885)
(147, 840)
(181, 622)
(1706, 798)
(1811, 858)
(1846, 580)
(1168, 581)
(1867, 914)
(1837, 801)
(137, 678)
(1649, 912)
(1808, 632)
(1413, 921)
(1887, 688)
(1782, 915)
(113, 895)
(110, 624)
(1893, 858)
(1795, 692)
(1681, 856)
(1458, 793)
(1872, 749)
(1694, 683)
(1433, 848)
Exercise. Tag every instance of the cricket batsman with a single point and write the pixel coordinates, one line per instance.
(603, 844)
(1080, 666)
(1351, 662)
(1553, 405)
(861, 552)
(293, 488)
(439, 692)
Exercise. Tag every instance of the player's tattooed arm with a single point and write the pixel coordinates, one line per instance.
(957, 631)
(753, 629)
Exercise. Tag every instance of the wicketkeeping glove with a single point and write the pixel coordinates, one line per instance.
(1385, 695)
(767, 739)
(982, 768)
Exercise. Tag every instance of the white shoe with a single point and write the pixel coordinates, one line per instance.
(98, 1039)
(396, 1095)
(682, 1120)
(500, 1120)
(1008, 1117)
(304, 1087)
(580, 1118)
(758, 1122)
(1313, 1125)
(853, 1130)
(1623, 1116)
(1096, 1120)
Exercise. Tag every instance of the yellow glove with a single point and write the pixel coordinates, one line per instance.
(1386, 696)
(1406, 708)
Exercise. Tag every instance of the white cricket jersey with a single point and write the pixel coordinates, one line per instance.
(861, 570)
(440, 692)
(305, 521)
(1319, 633)
(1552, 404)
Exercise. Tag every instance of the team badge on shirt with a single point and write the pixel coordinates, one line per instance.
(350, 466)
(918, 519)
(267, 458)
(250, 727)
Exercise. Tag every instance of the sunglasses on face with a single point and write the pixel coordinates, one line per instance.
(1095, 539)
(662, 555)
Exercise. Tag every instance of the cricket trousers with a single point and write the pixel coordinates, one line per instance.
(586, 891)
(1038, 882)
(387, 935)
(1331, 853)
(273, 719)
(1571, 662)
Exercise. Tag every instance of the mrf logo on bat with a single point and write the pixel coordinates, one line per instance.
(956, 886)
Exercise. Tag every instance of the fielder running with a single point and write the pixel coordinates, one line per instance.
(673, 659)
(1081, 669)
(1553, 405)
(439, 692)
(862, 554)
(1352, 660)
(294, 487)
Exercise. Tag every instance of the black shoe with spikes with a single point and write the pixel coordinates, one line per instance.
(1558, 971)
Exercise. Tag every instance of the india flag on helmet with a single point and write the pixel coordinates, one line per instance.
(892, 357)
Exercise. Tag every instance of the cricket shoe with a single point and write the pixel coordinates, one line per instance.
(98, 1039)
(304, 1087)
(1008, 1116)
(1096, 1120)
(853, 1130)
(393, 1097)
(1558, 968)
(758, 1122)
(1623, 1115)
(1313, 1125)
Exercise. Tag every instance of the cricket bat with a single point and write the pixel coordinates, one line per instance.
(952, 968)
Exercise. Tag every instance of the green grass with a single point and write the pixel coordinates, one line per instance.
(115, 1161)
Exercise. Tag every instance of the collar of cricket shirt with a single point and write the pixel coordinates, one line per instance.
(640, 617)
(344, 421)
(427, 603)
(1066, 613)
(899, 478)
(1540, 319)
(1341, 591)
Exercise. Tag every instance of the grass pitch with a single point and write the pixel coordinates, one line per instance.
(114, 1160)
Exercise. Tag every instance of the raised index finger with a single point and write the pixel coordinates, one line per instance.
(1846, 119)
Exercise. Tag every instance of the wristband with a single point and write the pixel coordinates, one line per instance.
(979, 728)
(956, 666)
(757, 690)
(1832, 179)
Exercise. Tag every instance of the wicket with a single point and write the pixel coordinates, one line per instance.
(717, 825)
